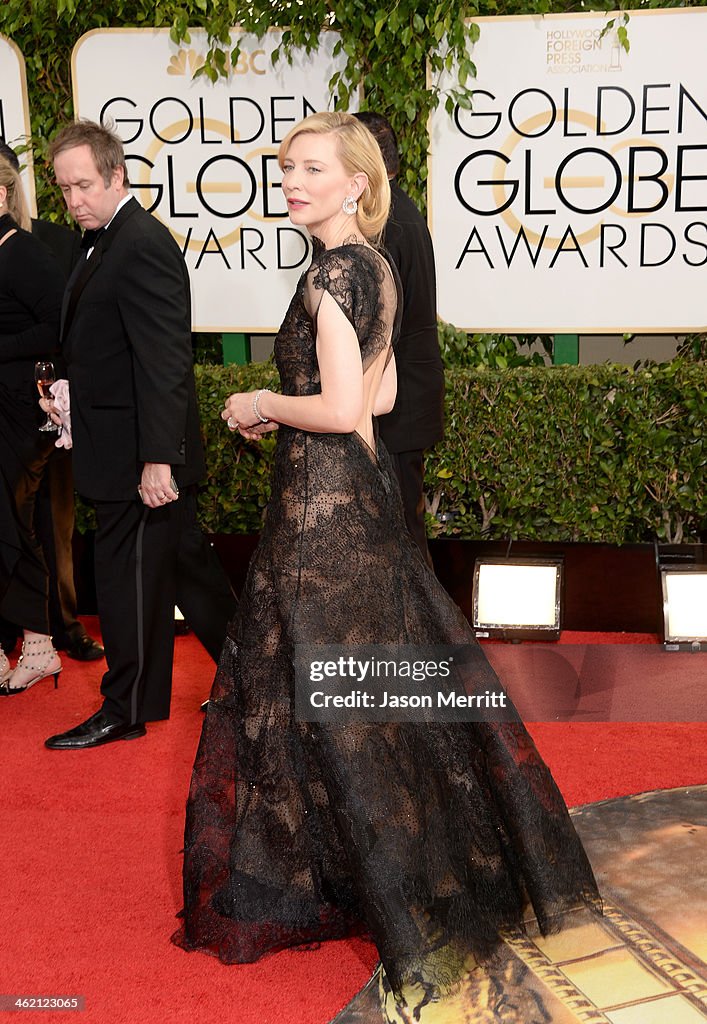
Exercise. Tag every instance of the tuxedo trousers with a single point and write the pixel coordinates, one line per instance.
(409, 468)
(146, 561)
(54, 523)
(24, 451)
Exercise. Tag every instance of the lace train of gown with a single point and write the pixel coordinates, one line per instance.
(432, 838)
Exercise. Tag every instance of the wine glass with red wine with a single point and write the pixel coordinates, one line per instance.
(45, 375)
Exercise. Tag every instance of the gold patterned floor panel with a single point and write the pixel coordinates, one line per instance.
(643, 962)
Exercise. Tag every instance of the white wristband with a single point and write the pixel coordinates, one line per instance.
(256, 410)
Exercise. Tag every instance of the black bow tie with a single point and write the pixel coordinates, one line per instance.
(90, 238)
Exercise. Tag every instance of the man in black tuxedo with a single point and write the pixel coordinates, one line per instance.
(126, 339)
(416, 421)
(54, 505)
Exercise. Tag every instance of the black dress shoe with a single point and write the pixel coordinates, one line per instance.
(94, 732)
(85, 648)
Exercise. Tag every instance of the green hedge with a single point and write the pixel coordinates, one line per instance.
(602, 453)
(234, 497)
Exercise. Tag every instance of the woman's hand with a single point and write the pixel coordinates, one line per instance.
(257, 432)
(239, 412)
(47, 405)
(240, 415)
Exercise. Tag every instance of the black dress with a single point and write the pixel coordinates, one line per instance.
(430, 836)
(31, 289)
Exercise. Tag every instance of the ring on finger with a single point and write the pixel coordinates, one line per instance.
(231, 423)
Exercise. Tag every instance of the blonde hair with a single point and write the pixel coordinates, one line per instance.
(359, 153)
(16, 203)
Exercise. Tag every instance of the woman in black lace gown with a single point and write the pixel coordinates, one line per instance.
(432, 837)
(31, 288)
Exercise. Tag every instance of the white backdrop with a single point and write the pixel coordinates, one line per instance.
(573, 197)
(202, 156)
(14, 111)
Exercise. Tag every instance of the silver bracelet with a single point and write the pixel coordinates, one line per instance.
(256, 410)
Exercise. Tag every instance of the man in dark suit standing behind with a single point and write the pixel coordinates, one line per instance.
(416, 421)
(126, 338)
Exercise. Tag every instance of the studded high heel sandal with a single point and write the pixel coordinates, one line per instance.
(37, 661)
(5, 669)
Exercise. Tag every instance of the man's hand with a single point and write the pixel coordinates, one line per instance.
(155, 488)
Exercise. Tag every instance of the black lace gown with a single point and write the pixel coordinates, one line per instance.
(426, 836)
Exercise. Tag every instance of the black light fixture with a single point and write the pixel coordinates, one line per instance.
(684, 591)
(517, 598)
(683, 583)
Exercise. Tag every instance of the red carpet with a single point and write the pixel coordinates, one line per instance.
(90, 841)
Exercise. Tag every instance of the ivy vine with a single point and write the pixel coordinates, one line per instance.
(386, 51)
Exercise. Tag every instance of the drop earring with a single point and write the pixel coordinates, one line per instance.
(349, 206)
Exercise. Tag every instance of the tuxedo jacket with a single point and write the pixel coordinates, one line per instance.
(126, 339)
(63, 242)
(417, 420)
